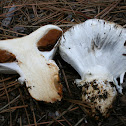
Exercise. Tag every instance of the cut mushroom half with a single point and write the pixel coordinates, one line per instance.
(31, 57)
(96, 49)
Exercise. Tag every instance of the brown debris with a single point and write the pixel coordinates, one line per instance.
(6, 57)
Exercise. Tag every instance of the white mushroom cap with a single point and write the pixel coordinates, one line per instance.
(27, 57)
(97, 51)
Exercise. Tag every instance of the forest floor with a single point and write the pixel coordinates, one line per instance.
(20, 18)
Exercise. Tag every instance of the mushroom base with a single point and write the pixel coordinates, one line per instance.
(100, 94)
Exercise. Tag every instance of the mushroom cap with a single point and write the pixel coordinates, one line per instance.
(96, 49)
(94, 46)
(32, 60)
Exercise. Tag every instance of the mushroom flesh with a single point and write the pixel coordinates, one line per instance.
(31, 57)
(96, 49)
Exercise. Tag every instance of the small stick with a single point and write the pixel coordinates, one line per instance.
(65, 78)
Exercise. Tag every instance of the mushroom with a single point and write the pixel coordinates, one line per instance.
(30, 56)
(96, 49)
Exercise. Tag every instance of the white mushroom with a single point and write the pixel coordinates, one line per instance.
(30, 57)
(97, 51)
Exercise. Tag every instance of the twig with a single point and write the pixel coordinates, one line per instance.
(32, 109)
(13, 108)
(64, 78)
(79, 122)
(61, 114)
(24, 108)
(12, 31)
(42, 123)
(67, 121)
(9, 103)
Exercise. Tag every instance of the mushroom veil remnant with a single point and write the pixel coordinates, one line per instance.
(97, 51)
(30, 57)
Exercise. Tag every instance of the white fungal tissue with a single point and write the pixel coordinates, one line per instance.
(96, 49)
(31, 57)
